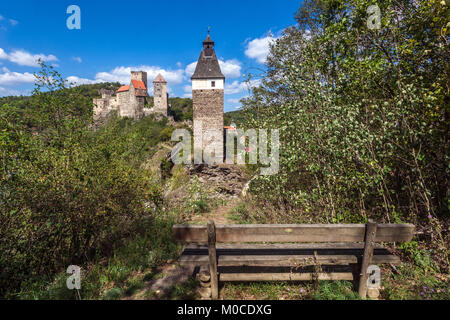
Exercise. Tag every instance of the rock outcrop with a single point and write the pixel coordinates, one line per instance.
(228, 179)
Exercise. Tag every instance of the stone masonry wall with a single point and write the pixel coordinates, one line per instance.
(140, 76)
(160, 98)
(208, 107)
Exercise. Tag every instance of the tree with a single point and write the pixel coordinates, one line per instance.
(363, 114)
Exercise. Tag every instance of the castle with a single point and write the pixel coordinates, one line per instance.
(207, 99)
(130, 101)
(208, 84)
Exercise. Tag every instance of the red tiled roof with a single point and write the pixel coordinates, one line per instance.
(123, 88)
(138, 84)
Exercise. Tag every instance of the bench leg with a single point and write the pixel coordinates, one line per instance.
(371, 230)
(213, 260)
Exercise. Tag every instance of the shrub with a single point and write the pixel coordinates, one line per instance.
(67, 193)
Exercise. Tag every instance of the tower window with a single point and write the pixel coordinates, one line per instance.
(213, 84)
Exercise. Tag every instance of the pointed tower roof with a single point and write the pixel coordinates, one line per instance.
(208, 40)
(208, 66)
(160, 78)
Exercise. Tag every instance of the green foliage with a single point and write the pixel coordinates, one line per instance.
(113, 294)
(335, 290)
(116, 275)
(236, 116)
(419, 280)
(180, 109)
(198, 201)
(362, 114)
(69, 194)
(166, 167)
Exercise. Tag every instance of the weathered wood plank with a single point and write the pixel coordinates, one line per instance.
(285, 260)
(284, 246)
(371, 232)
(230, 277)
(293, 233)
(213, 259)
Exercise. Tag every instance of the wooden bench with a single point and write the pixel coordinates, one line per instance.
(289, 252)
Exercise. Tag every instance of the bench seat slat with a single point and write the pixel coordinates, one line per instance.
(280, 261)
(293, 233)
(292, 246)
(278, 257)
(284, 260)
(230, 277)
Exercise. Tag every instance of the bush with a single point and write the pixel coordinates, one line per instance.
(68, 194)
(362, 114)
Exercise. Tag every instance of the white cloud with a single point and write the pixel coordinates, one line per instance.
(259, 48)
(179, 64)
(236, 86)
(77, 59)
(11, 21)
(234, 101)
(3, 54)
(230, 68)
(24, 58)
(122, 74)
(78, 81)
(8, 92)
(190, 69)
(9, 77)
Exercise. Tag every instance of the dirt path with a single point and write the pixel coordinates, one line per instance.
(172, 274)
(219, 215)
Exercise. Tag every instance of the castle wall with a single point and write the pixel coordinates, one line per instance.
(129, 103)
(139, 109)
(202, 84)
(160, 98)
(122, 103)
(208, 108)
(128, 108)
(140, 76)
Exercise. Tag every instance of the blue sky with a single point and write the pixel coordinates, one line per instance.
(155, 36)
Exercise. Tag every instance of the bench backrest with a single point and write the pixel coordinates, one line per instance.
(293, 233)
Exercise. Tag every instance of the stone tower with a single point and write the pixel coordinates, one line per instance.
(160, 95)
(139, 76)
(207, 96)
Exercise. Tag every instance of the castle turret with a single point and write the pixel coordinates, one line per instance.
(207, 95)
(139, 76)
(160, 96)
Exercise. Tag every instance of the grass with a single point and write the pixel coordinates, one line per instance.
(418, 277)
(136, 262)
(334, 290)
(120, 275)
(239, 214)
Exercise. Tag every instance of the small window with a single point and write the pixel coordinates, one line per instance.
(213, 84)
